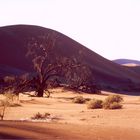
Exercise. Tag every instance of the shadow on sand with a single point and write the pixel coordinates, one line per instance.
(10, 137)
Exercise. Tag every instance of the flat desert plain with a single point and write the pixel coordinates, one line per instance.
(70, 121)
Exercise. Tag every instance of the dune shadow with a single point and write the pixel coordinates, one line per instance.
(15, 105)
(10, 137)
(33, 101)
(24, 126)
(64, 98)
(132, 93)
(70, 98)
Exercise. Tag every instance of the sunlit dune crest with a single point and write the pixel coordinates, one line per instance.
(131, 64)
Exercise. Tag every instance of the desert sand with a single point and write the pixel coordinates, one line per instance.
(70, 121)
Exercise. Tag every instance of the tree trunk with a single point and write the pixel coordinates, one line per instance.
(40, 92)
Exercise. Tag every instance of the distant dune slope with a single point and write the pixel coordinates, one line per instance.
(126, 61)
(13, 48)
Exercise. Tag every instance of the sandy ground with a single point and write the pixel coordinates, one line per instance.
(71, 121)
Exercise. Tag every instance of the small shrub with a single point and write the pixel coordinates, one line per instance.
(46, 115)
(39, 116)
(106, 105)
(9, 96)
(115, 105)
(114, 98)
(113, 102)
(79, 100)
(94, 104)
(7, 101)
(3, 105)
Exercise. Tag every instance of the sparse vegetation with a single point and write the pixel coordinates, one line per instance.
(113, 102)
(10, 96)
(39, 116)
(94, 104)
(3, 105)
(79, 100)
(114, 98)
(9, 100)
(115, 105)
(15, 84)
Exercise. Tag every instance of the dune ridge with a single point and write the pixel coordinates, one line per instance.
(109, 75)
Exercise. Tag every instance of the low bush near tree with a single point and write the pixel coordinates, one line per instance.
(3, 106)
(115, 105)
(94, 104)
(79, 100)
(114, 98)
(113, 102)
(11, 96)
(9, 100)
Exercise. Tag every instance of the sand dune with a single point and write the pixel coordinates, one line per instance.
(13, 49)
(126, 61)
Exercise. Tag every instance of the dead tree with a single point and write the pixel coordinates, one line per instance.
(79, 77)
(40, 51)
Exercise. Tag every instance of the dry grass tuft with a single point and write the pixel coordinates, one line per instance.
(39, 116)
(79, 100)
(113, 102)
(94, 104)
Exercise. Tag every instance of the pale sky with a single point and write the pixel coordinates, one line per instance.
(111, 28)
